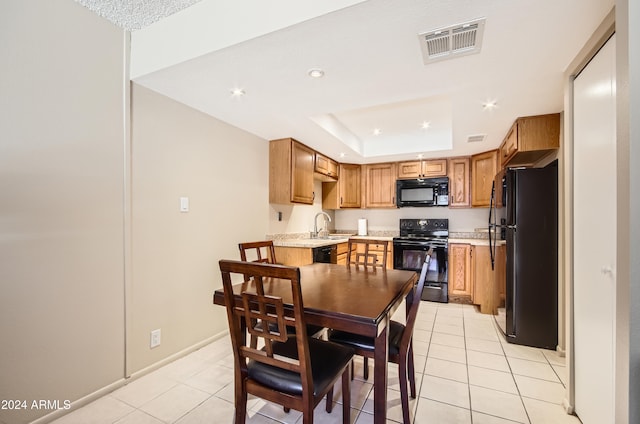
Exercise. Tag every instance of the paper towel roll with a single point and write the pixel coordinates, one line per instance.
(362, 227)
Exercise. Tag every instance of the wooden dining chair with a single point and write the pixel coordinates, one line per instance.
(293, 371)
(359, 252)
(265, 252)
(400, 344)
(259, 251)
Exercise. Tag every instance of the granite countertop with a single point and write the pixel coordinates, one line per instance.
(475, 241)
(302, 240)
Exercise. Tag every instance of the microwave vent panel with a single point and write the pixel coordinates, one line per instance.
(452, 41)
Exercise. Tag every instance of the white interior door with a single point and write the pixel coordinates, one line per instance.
(594, 240)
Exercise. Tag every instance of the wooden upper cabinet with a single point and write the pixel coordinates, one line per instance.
(434, 168)
(530, 139)
(459, 182)
(326, 167)
(291, 166)
(484, 167)
(380, 183)
(346, 192)
(423, 168)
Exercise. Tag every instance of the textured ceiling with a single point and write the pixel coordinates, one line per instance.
(135, 14)
(378, 101)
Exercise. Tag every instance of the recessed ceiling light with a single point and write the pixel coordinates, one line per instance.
(420, 156)
(237, 92)
(316, 73)
(490, 105)
(343, 154)
(425, 125)
(377, 131)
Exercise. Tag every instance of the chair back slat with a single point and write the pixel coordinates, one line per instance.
(366, 257)
(258, 306)
(259, 251)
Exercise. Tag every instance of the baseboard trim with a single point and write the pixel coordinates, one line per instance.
(85, 400)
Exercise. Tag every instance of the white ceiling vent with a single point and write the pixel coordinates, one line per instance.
(476, 138)
(452, 41)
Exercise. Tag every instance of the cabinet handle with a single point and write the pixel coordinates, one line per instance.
(340, 200)
(313, 197)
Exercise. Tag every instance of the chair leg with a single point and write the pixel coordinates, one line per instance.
(307, 415)
(366, 368)
(404, 395)
(353, 367)
(412, 371)
(241, 405)
(329, 406)
(346, 397)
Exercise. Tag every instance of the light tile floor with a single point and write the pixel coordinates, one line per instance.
(467, 374)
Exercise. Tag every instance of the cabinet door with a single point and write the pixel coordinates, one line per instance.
(459, 183)
(341, 252)
(411, 169)
(349, 186)
(509, 146)
(485, 289)
(484, 167)
(460, 271)
(434, 168)
(380, 185)
(326, 166)
(302, 174)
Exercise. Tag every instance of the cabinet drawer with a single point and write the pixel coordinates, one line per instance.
(342, 248)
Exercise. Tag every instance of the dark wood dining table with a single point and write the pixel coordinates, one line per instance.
(352, 298)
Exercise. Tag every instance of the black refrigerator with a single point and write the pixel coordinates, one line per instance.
(529, 223)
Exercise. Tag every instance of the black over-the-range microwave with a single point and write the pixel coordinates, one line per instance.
(422, 192)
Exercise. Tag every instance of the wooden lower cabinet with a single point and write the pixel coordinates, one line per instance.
(299, 256)
(378, 250)
(487, 282)
(294, 256)
(471, 279)
(460, 288)
(342, 253)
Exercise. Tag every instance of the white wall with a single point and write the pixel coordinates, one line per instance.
(298, 218)
(62, 149)
(180, 152)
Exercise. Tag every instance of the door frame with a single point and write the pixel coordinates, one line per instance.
(566, 173)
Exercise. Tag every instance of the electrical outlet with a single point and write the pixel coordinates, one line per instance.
(155, 338)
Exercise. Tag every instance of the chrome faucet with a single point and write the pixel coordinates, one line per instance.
(315, 223)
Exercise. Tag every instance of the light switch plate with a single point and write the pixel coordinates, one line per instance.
(184, 204)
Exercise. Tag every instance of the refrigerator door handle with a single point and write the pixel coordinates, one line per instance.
(514, 289)
(492, 226)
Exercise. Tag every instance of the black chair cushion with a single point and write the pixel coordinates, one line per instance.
(327, 359)
(367, 343)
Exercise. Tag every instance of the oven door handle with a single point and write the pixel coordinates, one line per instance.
(413, 243)
(425, 244)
